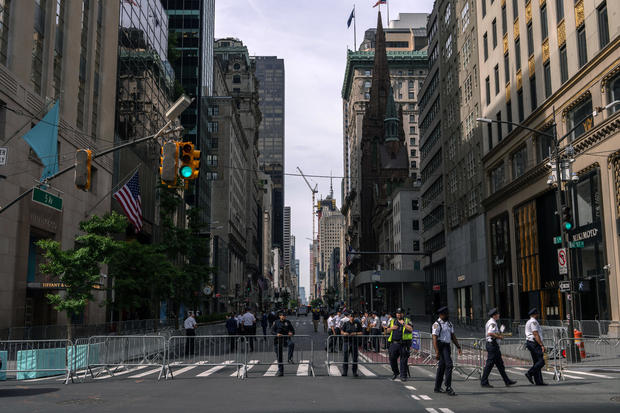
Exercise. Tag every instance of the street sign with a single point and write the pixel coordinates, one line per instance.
(576, 244)
(562, 261)
(564, 286)
(557, 240)
(42, 197)
(436, 287)
(3, 153)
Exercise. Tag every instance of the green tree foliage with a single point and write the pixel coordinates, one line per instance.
(79, 268)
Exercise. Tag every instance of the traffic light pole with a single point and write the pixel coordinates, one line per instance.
(161, 132)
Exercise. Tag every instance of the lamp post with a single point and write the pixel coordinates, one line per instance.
(563, 178)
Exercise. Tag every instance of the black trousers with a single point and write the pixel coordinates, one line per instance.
(279, 343)
(494, 358)
(399, 350)
(350, 346)
(189, 341)
(538, 361)
(375, 340)
(445, 365)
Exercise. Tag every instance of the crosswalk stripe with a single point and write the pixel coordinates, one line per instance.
(551, 374)
(334, 371)
(431, 410)
(303, 368)
(602, 376)
(425, 397)
(251, 364)
(107, 376)
(410, 388)
(365, 371)
(146, 373)
(272, 370)
(414, 397)
(445, 410)
(214, 369)
(188, 368)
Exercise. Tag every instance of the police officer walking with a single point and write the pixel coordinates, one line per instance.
(494, 355)
(401, 334)
(534, 343)
(443, 334)
(284, 332)
(351, 328)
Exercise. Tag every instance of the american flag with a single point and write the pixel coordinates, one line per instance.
(129, 198)
(380, 2)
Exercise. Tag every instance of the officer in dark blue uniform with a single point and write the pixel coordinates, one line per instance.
(351, 331)
(284, 332)
(494, 357)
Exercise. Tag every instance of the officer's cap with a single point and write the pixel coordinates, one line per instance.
(399, 311)
(492, 312)
(443, 310)
(281, 313)
(533, 311)
(347, 313)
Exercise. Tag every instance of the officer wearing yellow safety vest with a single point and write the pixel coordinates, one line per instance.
(401, 334)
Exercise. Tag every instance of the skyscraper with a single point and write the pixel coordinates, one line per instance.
(270, 75)
(286, 253)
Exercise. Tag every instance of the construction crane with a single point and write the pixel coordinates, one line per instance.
(314, 192)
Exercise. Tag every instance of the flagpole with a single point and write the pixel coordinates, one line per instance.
(354, 30)
(387, 6)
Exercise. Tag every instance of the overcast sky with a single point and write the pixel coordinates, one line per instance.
(312, 38)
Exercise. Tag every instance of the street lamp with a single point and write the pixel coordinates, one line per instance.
(563, 177)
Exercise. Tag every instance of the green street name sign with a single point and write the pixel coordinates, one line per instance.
(577, 244)
(47, 199)
(557, 240)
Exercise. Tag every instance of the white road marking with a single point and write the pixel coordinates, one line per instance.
(188, 368)
(272, 370)
(214, 369)
(431, 410)
(414, 397)
(251, 364)
(365, 371)
(107, 376)
(303, 368)
(146, 373)
(334, 371)
(410, 388)
(425, 397)
(551, 374)
(445, 410)
(602, 376)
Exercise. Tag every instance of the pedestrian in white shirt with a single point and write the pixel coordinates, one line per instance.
(190, 331)
(248, 322)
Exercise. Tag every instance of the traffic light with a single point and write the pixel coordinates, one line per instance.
(190, 161)
(169, 161)
(83, 159)
(567, 218)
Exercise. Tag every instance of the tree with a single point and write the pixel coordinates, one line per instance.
(78, 269)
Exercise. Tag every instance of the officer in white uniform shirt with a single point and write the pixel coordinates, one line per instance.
(494, 355)
(331, 330)
(190, 331)
(534, 343)
(338, 321)
(247, 322)
(443, 335)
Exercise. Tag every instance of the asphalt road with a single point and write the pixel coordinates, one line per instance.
(193, 389)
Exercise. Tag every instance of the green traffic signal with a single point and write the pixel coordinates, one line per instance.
(568, 226)
(186, 171)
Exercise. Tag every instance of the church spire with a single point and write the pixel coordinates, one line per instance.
(391, 119)
(380, 76)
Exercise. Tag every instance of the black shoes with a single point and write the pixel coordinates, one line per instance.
(529, 377)
(403, 379)
(355, 374)
(394, 376)
(280, 374)
(487, 385)
(290, 361)
(542, 384)
(510, 382)
(450, 392)
(344, 374)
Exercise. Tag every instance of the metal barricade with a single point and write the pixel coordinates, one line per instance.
(588, 353)
(123, 352)
(516, 355)
(470, 361)
(217, 352)
(34, 359)
(263, 350)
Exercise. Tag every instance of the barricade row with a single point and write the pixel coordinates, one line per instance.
(107, 356)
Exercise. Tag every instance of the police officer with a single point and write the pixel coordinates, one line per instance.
(351, 328)
(494, 357)
(534, 343)
(443, 334)
(337, 321)
(284, 332)
(401, 334)
(332, 331)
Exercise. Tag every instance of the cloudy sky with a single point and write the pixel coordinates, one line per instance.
(312, 38)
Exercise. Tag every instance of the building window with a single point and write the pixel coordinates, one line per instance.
(490, 135)
(498, 117)
(559, 9)
(213, 110)
(411, 95)
(519, 162)
(530, 40)
(603, 25)
(413, 152)
(37, 45)
(580, 118)
(544, 29)
(544, 143)
(415, 204)
(504, 22)
(5, 8)
(509, 115)
(582, 46)
(412, 130)
(484, 7)
(563, 64)
(411, 118)
(613, 94)
(411, 141)
(487, 83)
(465, 17)
(83, 62)
(416, 245)
(515, 9)
(494, 29)
(547, 72)
(497, 178)
(212, 160)
(496, 72)
(411, 84)
(533, 100)
(485, 47)
(58, 47)
(236, 79)
(416, 225)
(518, 53)
(526, 234)
(212, 127)
(520, 104)
(506, 68)
(413, 164)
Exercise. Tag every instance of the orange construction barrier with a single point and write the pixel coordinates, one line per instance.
(580, 343)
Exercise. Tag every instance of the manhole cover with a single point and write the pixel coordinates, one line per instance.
(615, 399)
